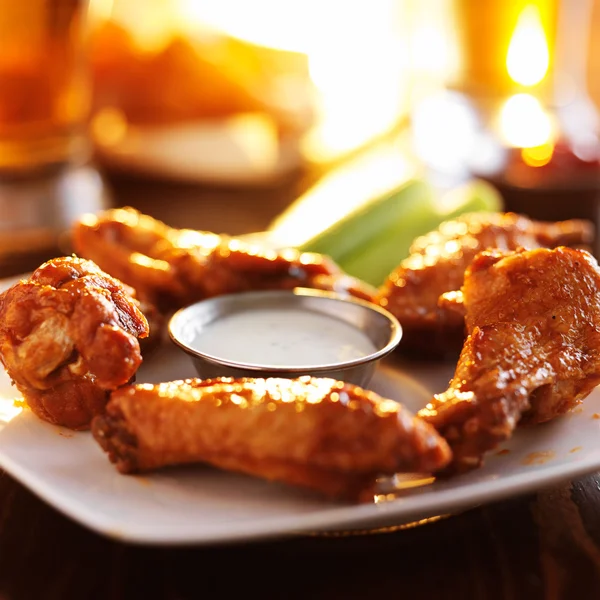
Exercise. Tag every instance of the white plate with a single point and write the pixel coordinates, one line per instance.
(242, 150)
(201, 505)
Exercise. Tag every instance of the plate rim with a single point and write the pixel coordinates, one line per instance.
(326, 519)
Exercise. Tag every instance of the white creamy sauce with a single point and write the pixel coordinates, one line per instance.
(283, 338)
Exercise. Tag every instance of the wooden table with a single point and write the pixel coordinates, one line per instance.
(545, 545)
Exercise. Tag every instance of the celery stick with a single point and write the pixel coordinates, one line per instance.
(343, 197)
(474, 195)
(373, 262)
(367, 223)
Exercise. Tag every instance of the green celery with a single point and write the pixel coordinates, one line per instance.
(374, 261)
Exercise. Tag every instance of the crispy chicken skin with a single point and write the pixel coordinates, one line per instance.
(330, 436)
(175, 267)
(437, 264)
(533, 349)
(69, 335)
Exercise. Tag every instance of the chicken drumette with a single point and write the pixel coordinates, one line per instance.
(171, 268)
(533, 349)
(323, 434)
(69, 335)
(437, 264)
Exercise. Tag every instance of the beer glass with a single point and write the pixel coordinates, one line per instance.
(46, 179)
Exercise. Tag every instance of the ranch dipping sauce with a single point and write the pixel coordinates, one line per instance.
(282, 337)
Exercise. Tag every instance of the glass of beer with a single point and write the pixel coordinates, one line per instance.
(46, 179)
(44, 91)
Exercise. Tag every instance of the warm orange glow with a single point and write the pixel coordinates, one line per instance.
(360, 89)
(538, 156)
(109, 127)
(524, 123)
(528, 57)
(345, 45)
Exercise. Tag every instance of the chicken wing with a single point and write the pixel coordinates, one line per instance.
(68, 336)
(437, 264)
(323, 434)
(533, 349)
(175, 267)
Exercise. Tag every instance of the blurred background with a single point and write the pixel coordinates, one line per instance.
(230, 115)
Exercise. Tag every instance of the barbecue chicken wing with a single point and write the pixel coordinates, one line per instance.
(437, 264)
(175, 267)
(533, 349)
(68, 336)
(323, 434)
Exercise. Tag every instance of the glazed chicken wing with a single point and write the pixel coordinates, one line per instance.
(323, 434)
(533, 349)
(68, 336)
(437, 264)
(175, 267)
